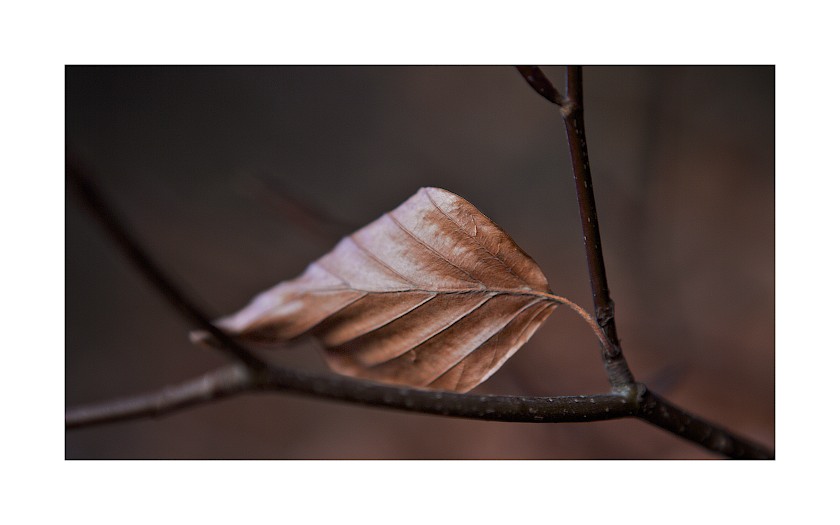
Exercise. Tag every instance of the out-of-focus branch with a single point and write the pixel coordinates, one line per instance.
(221, 383)
(295, 210)
(131, 248)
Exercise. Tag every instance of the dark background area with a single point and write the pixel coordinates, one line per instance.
(222, 171)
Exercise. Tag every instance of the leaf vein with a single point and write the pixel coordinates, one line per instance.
(386, 322)
(479, 243)
(441, 330)
(494, 334)
(373, 256)
(431, 249)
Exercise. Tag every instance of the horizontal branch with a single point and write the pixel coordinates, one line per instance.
(218, 384)
(232, 380)
(659, 412)
(236, 379)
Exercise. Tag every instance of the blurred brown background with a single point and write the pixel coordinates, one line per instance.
(205, 164)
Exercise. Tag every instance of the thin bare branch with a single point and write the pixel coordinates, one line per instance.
(616, 366)
(233, 380)
(292, 208)
(237, 379)
(654, 409)
(542, 85)
(526, 409)
(658, 411)
(133, 251)
(218, 384)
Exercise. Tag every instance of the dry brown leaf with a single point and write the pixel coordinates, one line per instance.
(432, 294)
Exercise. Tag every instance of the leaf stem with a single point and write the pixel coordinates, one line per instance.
(593, 324)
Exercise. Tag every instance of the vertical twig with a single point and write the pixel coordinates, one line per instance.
(652, 408)
(571, 107)
(617, 370)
